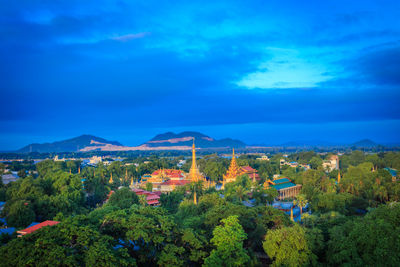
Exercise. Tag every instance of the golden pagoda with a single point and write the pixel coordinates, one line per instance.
(233, 171)
(194, 174)
(111, 179)
(338, 178)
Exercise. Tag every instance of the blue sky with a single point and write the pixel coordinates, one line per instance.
(262, 71)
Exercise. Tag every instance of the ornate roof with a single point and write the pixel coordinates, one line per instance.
(234, 170)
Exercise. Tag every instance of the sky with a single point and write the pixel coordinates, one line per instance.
(264, 72)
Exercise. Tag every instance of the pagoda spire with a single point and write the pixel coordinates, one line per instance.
(338, 177)
(111, 179)
(291, 214)
(194, 173)
(233, 170)
(194, 165)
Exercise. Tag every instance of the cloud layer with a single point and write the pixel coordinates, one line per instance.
(94, 66)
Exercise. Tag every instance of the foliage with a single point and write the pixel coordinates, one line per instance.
(228, 240)
(288, 246)
(123, 198)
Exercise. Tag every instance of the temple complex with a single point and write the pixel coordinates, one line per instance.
(285, 187)
(235, 170)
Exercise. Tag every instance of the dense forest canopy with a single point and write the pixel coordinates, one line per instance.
(355, 221)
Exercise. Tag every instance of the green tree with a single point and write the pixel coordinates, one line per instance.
(315, 162)
(149, 187)
(367, 241)
(228, 240)
(301, 202)
(20, 213)
(288, 246)
(123, 198)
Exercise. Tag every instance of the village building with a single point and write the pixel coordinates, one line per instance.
(332, 163)
(152, 198)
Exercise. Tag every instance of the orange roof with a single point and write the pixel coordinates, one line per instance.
(37, 227)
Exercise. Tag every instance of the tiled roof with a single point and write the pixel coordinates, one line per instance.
(152, 197)
(283, 186)
(281, 181)
(248, 169)
(37, 227)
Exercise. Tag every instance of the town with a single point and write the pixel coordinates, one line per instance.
(263, 196)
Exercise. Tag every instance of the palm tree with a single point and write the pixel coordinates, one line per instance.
(143, 200)
(300, 201)
(241, 192)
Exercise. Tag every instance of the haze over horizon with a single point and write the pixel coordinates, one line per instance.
(261, 73)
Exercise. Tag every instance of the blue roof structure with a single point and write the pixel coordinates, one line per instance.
(283, 185)
(282, 180)
(392, 172)
(2, 203)
(3, 220)
(8, 231)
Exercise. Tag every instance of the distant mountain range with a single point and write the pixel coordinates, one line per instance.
(172, 141)
(69, 145)
(165, 141)
(186, 139)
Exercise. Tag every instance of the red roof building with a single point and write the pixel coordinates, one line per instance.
(36, 227)
(152, 198)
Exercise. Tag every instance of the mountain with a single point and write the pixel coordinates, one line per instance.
(70, 145)
(365, 143)
(165, 141)
(170, 139)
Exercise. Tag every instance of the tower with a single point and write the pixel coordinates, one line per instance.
(194, 172)
(233, 170)
(338, 177)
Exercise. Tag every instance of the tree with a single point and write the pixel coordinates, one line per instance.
(228, 240)
(171, 201)
(64, 245)
(20, 213)
(143, 200)
(315, 162)
(149, 187)
(288, 246)
(22, 173)
(371, 240)
(123, 198)
(300, 201)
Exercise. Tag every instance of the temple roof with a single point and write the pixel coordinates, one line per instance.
(281, 181)
(283, 185)
(234, 170)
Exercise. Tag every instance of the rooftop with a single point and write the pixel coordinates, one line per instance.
(36, 227)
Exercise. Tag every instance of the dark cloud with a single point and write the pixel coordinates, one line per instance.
(89, 65)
